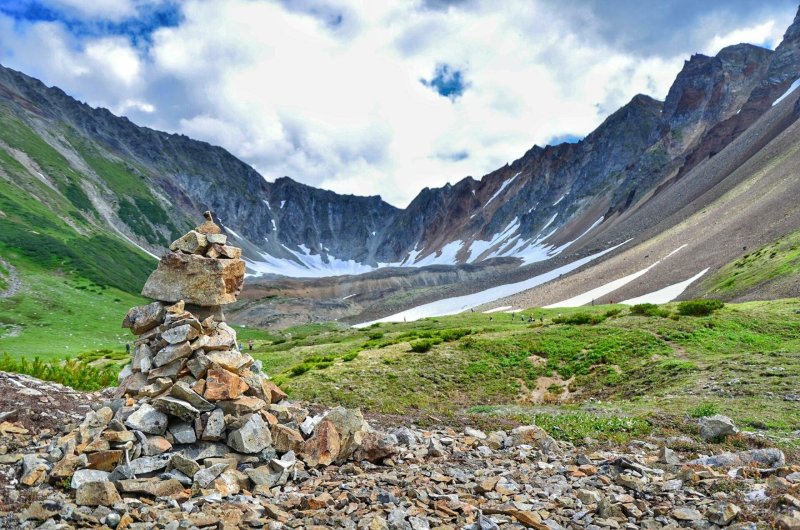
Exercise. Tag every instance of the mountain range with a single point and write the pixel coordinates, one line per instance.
(711, 168)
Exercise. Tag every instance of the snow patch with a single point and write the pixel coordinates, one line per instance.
(307, 265)
(566, 245)
(282, 203)
(234, 234)
(452, 306)
(503, 186)
(785, 94)
(594, 294)
(559, 199)
(667, 294)
(274, 226)
(350, 296)
(267, 203)
(446, 256)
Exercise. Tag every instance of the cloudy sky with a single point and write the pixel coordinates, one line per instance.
(373, 97)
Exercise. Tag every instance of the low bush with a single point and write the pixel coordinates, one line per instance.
(450, 335)
(70, 372)
(349, 356)
(422, 346)
(707, 408)
(300, 369)
(699, 308)
(579, 319)
(649, 310)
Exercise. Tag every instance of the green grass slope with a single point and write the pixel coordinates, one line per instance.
(603, 365)
(757, 271)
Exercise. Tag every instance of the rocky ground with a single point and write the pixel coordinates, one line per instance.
(432, 478)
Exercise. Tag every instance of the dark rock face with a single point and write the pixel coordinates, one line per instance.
(549, 197)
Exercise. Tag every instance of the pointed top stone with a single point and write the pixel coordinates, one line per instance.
(208, 226)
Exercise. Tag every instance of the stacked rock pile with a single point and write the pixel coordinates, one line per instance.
(193, 415)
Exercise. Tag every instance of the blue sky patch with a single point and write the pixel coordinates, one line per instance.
(447, 81)
(138, 28)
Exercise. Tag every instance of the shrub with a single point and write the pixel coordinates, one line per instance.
(422, 346)
(649, 310)
(70, 372)
(614, 311)
(707, 408)
(699, 308)
(300, 369)
(375, 335)
(450, 335)
(349, 356)
(579, 319)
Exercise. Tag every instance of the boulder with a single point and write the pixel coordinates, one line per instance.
(184, 465)
(144, 318)
(233, 361)
(195, 279)
(84, 476)
(97, 494)
(214, 430)
(181, 390)
(148, 464)
(351, 427)
(151, 486)
(217, 239)
(34, 470)
(176, 407)
(148, 420)
(208, 226)
(723, 513)
(222, 385)
(206, 476)
(535, 436)
(182, 432)
(285, 439)
(241, 406)
(375, 446)
(717, 427)
(223, 338)
(323, 447)
(252, 437)
(770, 457)
(180, 333)
(105, 460)
(142, 358)
(171, 353)
(192, 242)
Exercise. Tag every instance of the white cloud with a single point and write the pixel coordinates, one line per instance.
(338, 103)
(767, 34)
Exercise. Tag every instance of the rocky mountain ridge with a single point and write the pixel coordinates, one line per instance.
(535, 208)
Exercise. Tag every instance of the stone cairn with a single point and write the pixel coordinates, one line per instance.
(193, 415)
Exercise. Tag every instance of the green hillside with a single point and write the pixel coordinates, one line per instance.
(741, 360)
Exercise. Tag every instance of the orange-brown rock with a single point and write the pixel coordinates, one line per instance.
(208, 226)
(272, 393)
(242, 405)
(323, 447)
(223, 385)
(285, 439)
(105, 460)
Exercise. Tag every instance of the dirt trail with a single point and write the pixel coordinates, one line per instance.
(14, 283)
